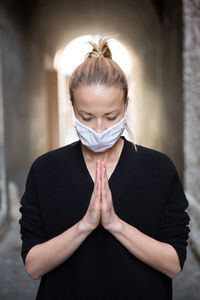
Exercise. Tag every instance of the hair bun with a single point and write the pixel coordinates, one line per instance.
(100, 50)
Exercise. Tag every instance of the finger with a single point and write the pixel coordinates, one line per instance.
(102, 174)
(100, 167)
(105, 176)
(103, 183)
(98, 189)
(107, 190)
(96, 175)
(101, 170)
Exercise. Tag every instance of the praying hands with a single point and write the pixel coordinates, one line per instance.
(159, 255)
(101, 207)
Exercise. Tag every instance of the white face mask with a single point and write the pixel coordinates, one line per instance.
(99, 142)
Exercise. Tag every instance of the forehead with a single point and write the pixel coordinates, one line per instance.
(98, 95)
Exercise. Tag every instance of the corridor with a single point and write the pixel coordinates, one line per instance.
(156, 43)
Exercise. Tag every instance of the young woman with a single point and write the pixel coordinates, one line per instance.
(103, 218)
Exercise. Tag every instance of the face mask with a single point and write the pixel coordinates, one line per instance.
(99, 142)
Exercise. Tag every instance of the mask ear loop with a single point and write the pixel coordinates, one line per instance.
(126, 126)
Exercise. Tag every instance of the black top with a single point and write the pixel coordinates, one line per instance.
(147, 193)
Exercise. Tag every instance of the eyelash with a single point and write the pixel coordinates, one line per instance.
(110, 119)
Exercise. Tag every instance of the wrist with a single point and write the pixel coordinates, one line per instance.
(116, 226)
(84, 227)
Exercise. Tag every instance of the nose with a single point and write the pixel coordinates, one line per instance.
(100, 127)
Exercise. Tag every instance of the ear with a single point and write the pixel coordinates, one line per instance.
(126, 104)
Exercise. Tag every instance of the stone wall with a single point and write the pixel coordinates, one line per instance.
(22, 105)
(191, 84)
(4, 205)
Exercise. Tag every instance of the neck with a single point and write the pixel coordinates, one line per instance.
(107, 155)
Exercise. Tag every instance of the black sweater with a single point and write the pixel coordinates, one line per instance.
(147, 193)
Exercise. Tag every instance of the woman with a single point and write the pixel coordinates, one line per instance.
(103, 218)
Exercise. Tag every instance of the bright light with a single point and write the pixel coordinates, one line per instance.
(74, 53)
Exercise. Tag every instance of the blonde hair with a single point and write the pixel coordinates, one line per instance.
(98, 67)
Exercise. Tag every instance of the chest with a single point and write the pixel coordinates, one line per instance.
(110, 167)
(137, 198)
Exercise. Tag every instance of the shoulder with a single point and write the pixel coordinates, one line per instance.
(54, 158)
(155, 160)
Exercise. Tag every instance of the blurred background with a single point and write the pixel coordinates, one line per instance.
(157, 44)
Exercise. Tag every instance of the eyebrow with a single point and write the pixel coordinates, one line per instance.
(93, 115)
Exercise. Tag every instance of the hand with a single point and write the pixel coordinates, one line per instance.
(109, 219)
(93, 215)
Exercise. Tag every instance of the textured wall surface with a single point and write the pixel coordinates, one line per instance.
(22, 106)
(3, 192)
(191, 55)
(23, 99)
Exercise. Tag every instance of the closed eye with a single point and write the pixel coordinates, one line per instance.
(110, 119)
(86, 119)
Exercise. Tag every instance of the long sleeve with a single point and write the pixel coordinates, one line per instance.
(31, 226)
(173, 227)
(147, 194)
